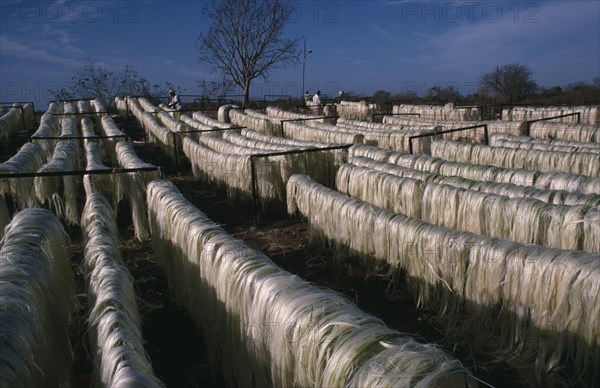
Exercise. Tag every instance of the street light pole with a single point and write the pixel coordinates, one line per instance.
(304, 65)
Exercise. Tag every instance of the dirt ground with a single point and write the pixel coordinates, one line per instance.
(174, 345)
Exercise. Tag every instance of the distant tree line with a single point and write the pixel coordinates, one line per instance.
(506, 85)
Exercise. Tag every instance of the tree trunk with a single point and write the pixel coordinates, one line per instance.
(246, 102)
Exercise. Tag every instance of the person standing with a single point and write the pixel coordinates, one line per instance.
(316, 103)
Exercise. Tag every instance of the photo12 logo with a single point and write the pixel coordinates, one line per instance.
(45, 12)
(39, 93)
(468, 12)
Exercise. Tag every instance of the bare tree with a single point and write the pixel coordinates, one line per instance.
(512, 83)
(92, 80)
(245, 40)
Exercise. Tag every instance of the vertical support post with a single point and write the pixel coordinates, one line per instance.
(485, 134)
(254, 201)
(175, 147)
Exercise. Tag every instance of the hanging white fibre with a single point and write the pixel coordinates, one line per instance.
(110, 185)
(556, 197)
(443, 266)
(114, 319)
(527, 221)
(274, 329)
(36, 303)
(136, 184)
(581, 163)
(61, 192)
(29, 159)
(554, 181)
(207, 120)
(525, 142)
(108, 127)
(50, 126)
(232, 172)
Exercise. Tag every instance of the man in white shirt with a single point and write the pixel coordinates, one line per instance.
(316, 103)
(175, 101)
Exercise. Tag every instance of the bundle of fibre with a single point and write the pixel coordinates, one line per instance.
(391, 139)
(275, 125)
(135, 184)
(29, 159)
(69, 127)
(565, 131)
(517, 128)
(244, 141)
(88, 131)
(318, 165)
(524, 220)
(84, 107)
(58, 192)
(98, 106)
(287, 164)
(99, 153)
(298, 131)
(281, 114)
(589, 114)
(472, 135)
(233, 172)
(272, 328)
(159, 134)
(257, 135)
(224, 111)
(545, 303)
(121, 104)
(502, 139)
(109, 128)
(437, 112)
(36, 302)
(171, 123)
(329, 160)
(50, 126)
(263, 125)
(194, 124)
(553, 181)
(109, 184)
(29, 115)
(147, 105)
(207, 120)
(360, 110)
(114, 320)
(17, 117)
(359, 124)
(556, 197)
(135, 109)
(581, 163)
(10, 123)
(534, 145)
(70, 107)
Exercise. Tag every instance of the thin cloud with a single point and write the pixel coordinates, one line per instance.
(484, 44)
(25, 51)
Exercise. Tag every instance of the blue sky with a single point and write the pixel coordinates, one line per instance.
(359, 46)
